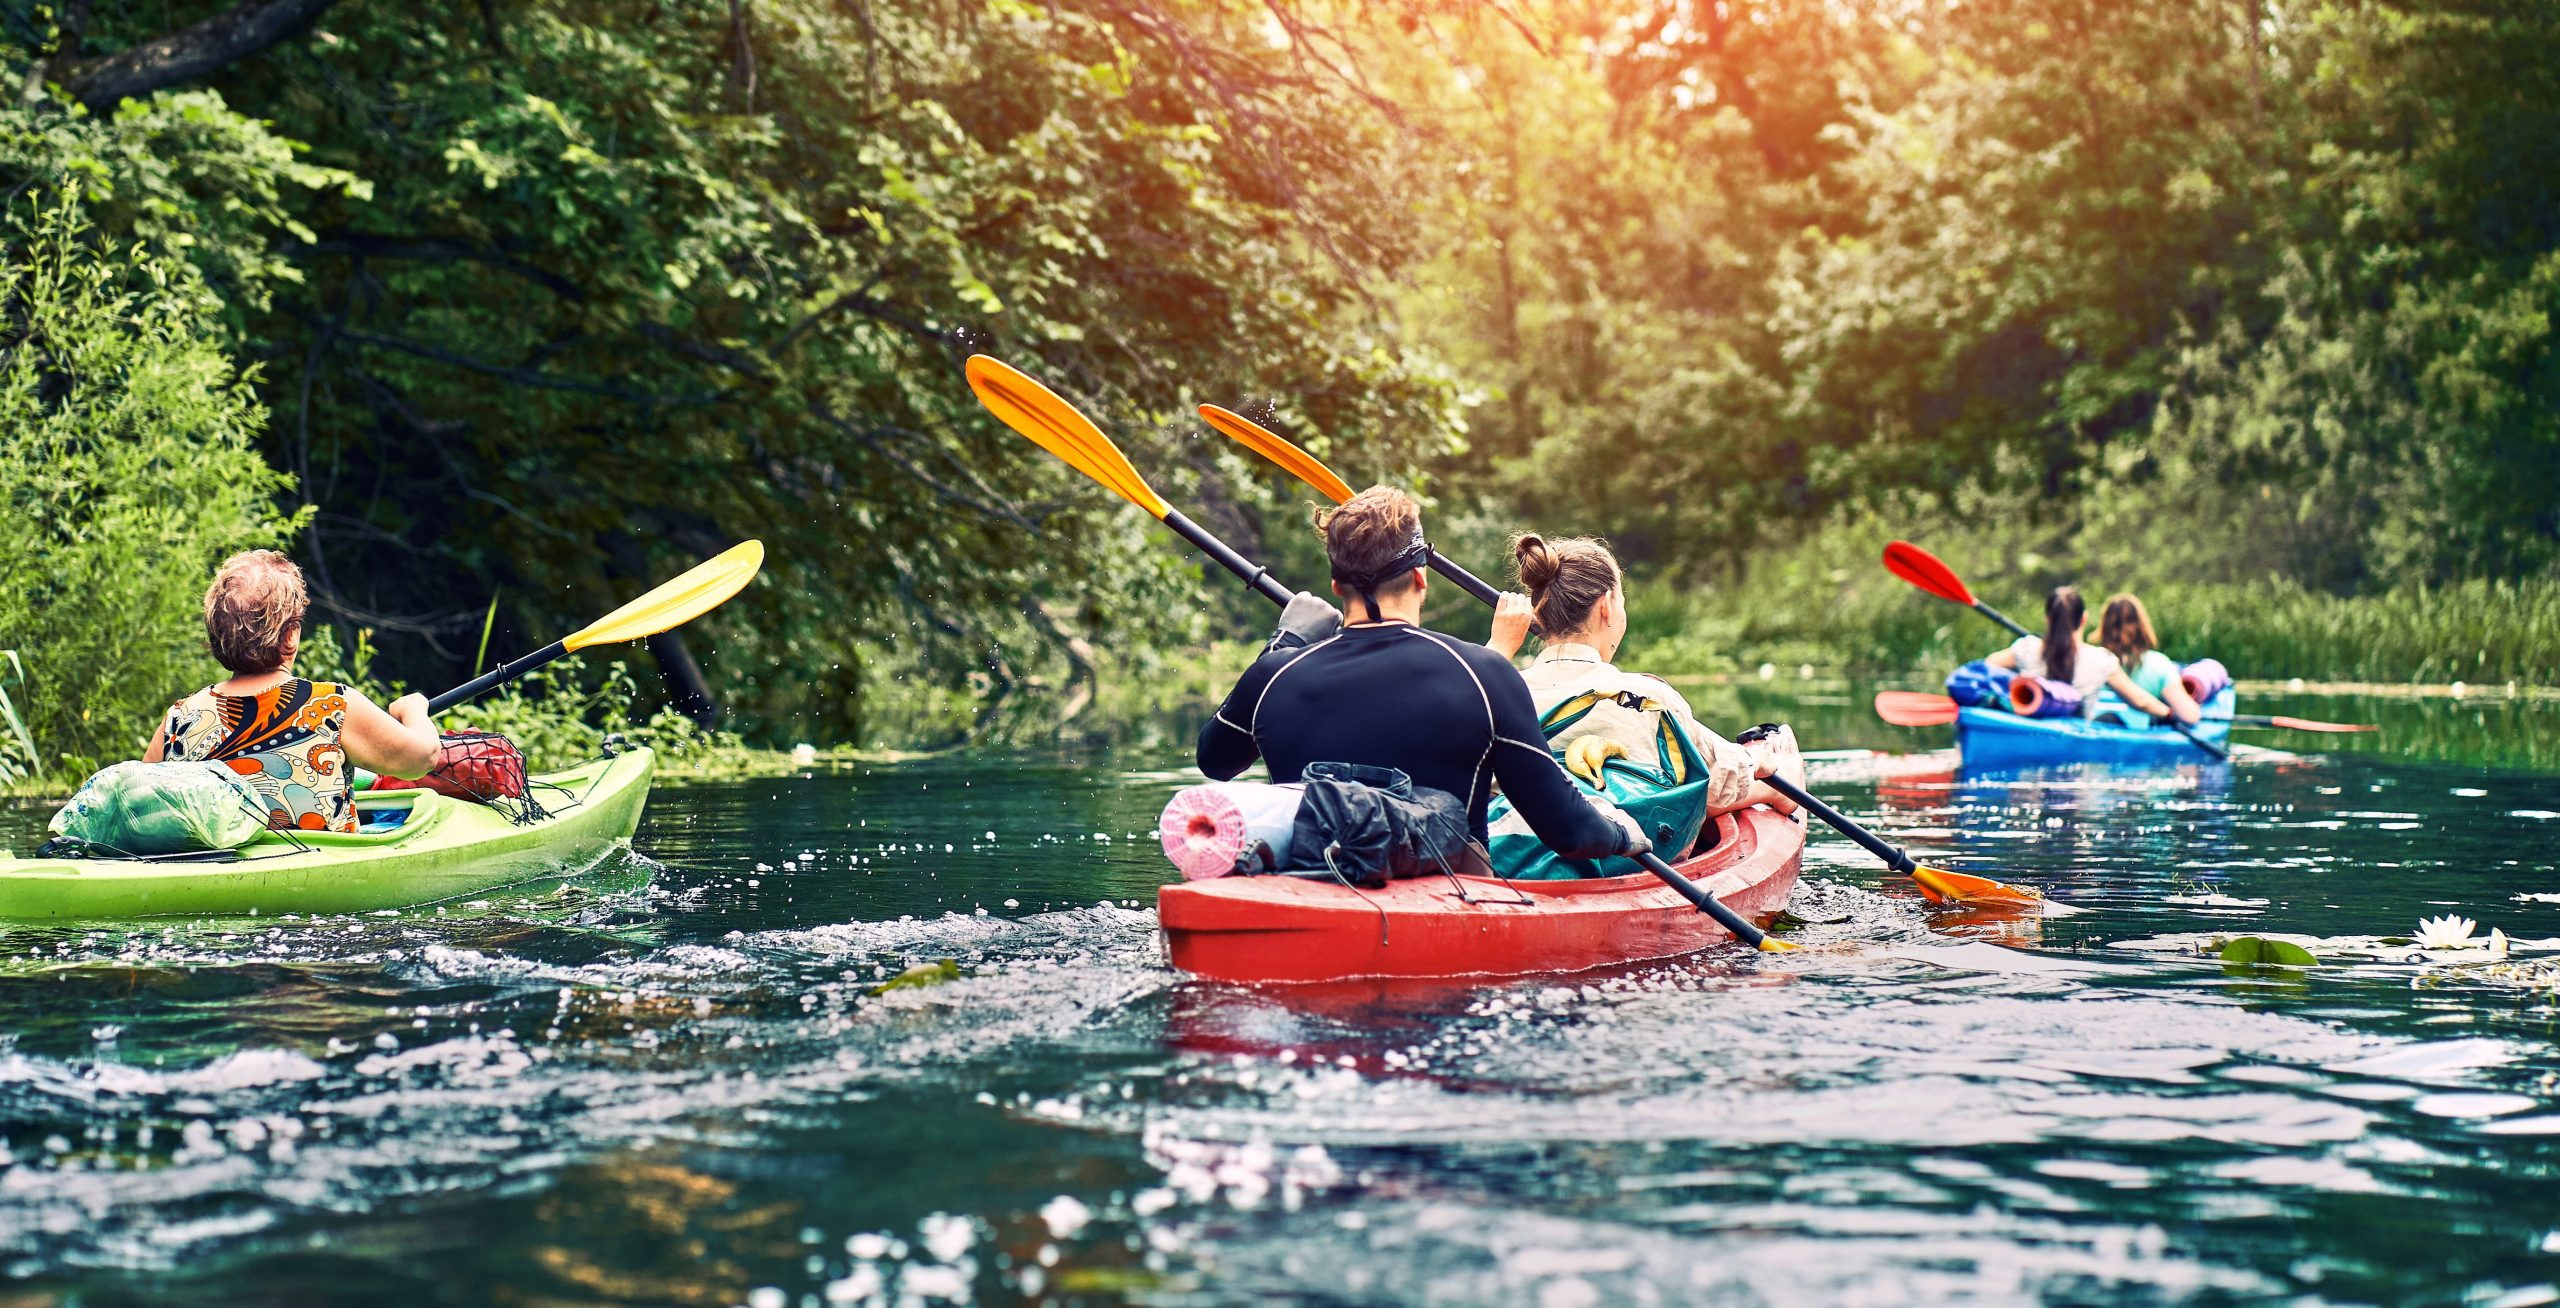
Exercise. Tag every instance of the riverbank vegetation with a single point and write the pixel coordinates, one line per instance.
(2247, 304)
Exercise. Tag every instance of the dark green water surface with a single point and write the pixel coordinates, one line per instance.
(678, 1087)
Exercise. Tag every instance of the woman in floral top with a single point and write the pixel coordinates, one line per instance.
(289, 737)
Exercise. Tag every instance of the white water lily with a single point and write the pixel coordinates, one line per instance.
(2447, 932)
(2497, 943)
(803, 755)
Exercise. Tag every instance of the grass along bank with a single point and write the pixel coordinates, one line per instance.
(2484, 633)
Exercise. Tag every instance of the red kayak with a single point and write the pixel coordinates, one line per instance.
(1272, 928)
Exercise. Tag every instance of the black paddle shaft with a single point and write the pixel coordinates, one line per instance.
(496, 677)
(1254, 574)
(1892, 854)
(1463, 579)
(2002, 618)
(1707, 904)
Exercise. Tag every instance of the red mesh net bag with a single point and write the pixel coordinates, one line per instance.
(481, 766)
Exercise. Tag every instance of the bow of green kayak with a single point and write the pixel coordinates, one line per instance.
(445, 848)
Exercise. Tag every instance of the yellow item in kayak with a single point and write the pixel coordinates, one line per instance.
(1585, 756)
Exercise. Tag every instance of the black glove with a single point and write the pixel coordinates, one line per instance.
(1758, 733)
(1305, 621)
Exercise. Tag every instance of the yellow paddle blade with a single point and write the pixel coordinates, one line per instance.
(1944, 887)
(1271, 445)
(1773, 945)
(705, 587)
(1054, 425)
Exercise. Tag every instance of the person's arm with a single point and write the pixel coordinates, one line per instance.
(2181, 703)
(1511, 615)
(1538, 787)
(1733, 771)
(401, 742)
(158, 749)
(1227, 746)
(2005, 658)
(1776, 755)
(2135, 695)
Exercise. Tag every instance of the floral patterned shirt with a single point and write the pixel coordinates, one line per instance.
(283, 742)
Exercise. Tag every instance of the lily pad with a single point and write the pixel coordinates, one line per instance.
(2262, 951)
(920, 976)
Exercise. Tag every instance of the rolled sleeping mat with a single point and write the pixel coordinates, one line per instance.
(2205, 678)
(1227, 827)
(2043, 697)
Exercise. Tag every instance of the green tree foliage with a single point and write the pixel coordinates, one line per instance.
(632, 282)
(2208, 287)
(550, 300)
(127, 470)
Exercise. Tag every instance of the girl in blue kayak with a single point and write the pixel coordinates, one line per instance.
(2062, 657)
(2124, 628)
(288, 737)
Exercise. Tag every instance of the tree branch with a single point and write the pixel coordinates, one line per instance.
(429, 249)
(226, 38)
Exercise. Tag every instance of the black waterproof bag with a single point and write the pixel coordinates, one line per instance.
(1366, 825)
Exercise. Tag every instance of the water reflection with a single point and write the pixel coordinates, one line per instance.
(679, 1086)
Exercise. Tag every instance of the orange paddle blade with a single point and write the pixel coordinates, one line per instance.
(1054, 425)
(1943, 887)
(1912, 708)
(2308, 724)
(1271, 445)
(1924, 570)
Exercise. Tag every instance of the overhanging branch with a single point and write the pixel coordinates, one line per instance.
(226, 38)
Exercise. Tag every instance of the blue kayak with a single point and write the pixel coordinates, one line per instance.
(1998, 738)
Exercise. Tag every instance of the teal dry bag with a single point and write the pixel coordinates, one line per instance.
(1666, 794)
(146, 810)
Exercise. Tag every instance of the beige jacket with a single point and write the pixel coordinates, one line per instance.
(1567, 671)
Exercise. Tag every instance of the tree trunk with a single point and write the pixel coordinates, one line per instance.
(687, 692)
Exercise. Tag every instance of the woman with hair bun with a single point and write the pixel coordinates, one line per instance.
(1379, 690)
(1577, 596)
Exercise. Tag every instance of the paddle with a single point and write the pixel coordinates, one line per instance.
(1270, 445)
(1939, 883)
(1053, 424)
(1912, 708)
(705, 587)
(1926, 571)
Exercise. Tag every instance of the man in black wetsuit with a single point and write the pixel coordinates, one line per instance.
(1382, 691)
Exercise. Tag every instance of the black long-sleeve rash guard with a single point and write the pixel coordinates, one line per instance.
(1453, 715)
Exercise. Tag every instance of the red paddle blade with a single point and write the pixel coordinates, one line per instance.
(2307, 724)
(1923, 569)
(1912, 708)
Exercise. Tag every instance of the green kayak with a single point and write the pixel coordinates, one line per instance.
(442, 848)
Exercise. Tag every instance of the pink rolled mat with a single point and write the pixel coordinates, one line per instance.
(1226, 827)
(2043, 697)
(2205, 678)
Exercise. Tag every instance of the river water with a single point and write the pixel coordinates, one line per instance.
(675, 1083)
